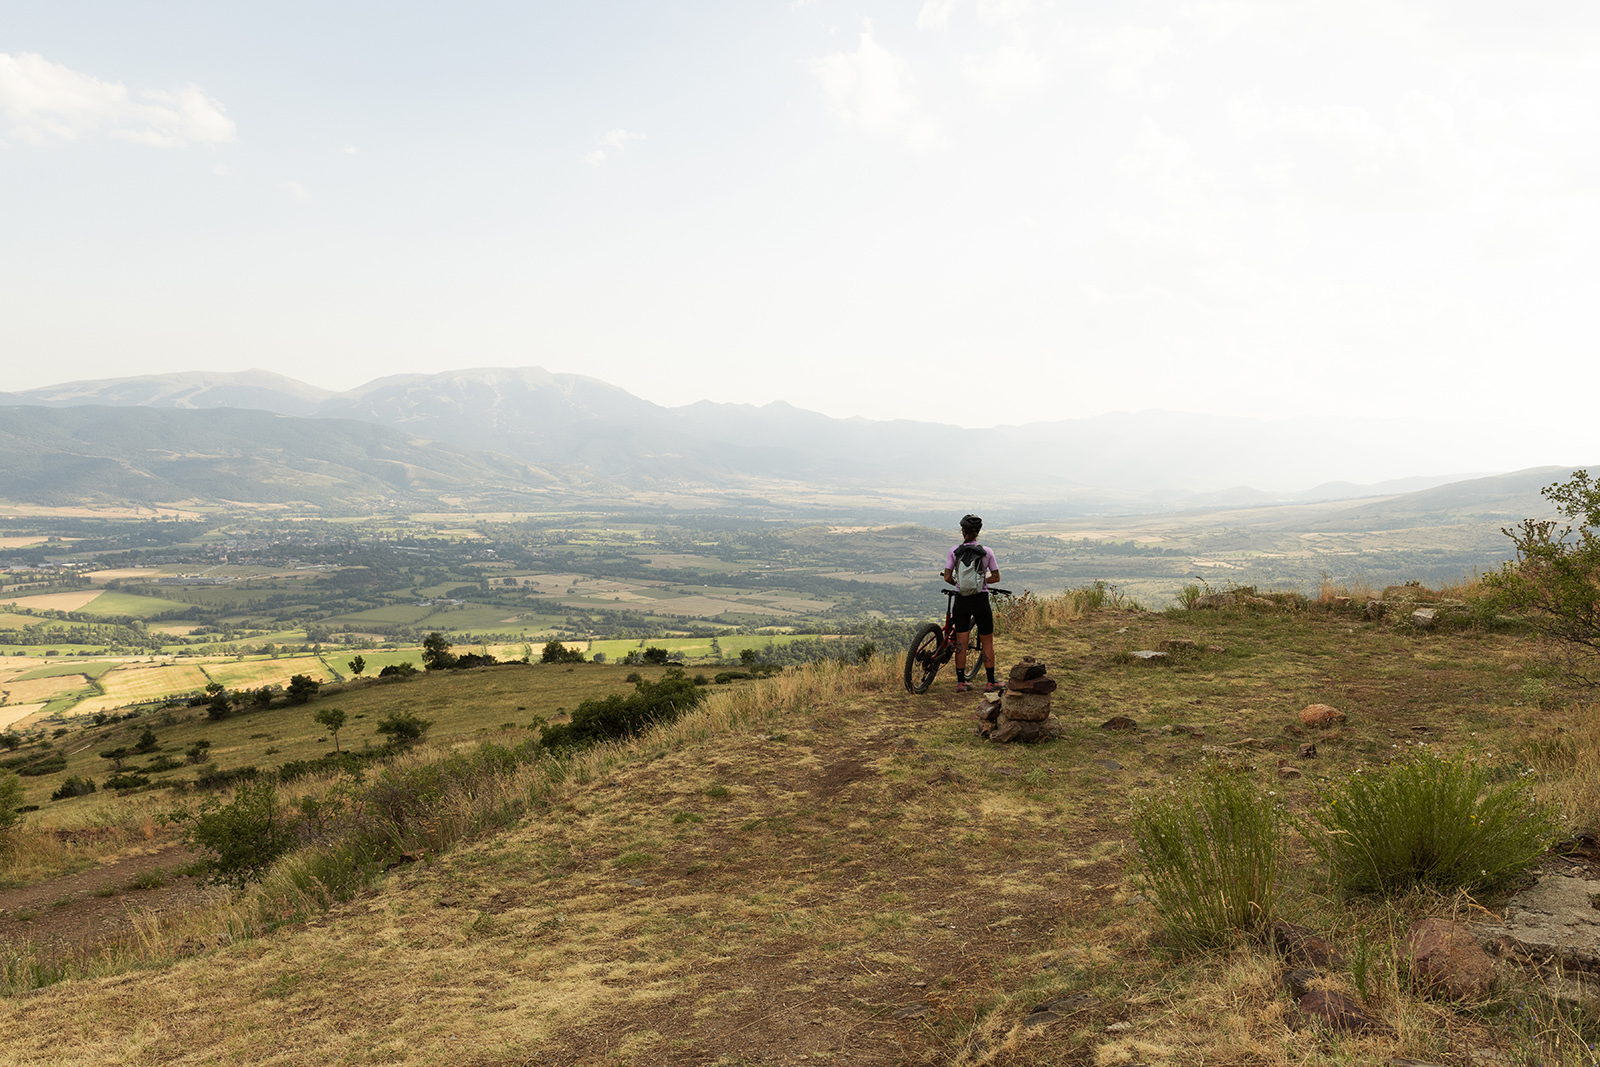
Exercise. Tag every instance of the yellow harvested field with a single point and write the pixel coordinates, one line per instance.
(12, 714)
(55, 601)
(40, 689)
(254, 675)
(20, 542)
(176, 628)
(113, 573)
(127, 684)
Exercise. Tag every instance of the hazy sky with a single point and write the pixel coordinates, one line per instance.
(972, 211)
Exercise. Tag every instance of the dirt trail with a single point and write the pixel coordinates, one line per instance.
(83, 912)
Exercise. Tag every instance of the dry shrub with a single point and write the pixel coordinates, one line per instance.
(1031, 612)
(1357, 589)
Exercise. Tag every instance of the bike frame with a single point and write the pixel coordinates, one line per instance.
(926, 656)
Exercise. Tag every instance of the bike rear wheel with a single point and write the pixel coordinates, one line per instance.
(922, 660)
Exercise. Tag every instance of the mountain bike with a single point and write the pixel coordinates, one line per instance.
(934, 645)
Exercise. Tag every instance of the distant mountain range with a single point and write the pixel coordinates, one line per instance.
(256, 435)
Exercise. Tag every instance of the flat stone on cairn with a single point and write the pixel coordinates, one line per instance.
(1023, 711)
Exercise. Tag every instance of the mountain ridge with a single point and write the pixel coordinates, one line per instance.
(576, 429)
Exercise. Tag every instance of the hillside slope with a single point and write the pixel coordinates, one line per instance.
(841, 872)
(142, 455)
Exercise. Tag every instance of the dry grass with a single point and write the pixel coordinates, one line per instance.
(1565, 752)
(72, 601)
(1356, 589)
(822, 866)
(41, 690)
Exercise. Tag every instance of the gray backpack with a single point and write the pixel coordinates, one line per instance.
(970, 569)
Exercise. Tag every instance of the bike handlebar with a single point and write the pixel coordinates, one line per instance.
(991, 589)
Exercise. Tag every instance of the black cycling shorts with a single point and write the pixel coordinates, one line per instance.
(975, 608)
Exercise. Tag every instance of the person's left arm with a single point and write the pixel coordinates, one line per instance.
(994, 567)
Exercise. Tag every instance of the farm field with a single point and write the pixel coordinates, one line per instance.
(69, 601)
(138, 683)
(115, 603)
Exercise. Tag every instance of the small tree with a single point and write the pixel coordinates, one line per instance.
(656, 655)
(219, 707)
(436, 653)
(10, 740)
(147, 742)
(333, 720)
(116, 756)
(1555, 578)
(556, 652)
(302, 687)
(357, 665)
(243, 837)
(10, 799)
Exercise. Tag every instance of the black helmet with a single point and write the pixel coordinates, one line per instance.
(970, 525)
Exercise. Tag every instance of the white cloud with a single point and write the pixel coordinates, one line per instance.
(1006, 74)
(1001, 12)
(1128, 53)
(935, 15)
(617, 141)
(46, 101)
(350, 150)
(1164, 164)
(297, 192)
(871, 88)
(620, 138)
(221, 170)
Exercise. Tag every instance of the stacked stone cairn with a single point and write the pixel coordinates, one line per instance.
(1022, 711)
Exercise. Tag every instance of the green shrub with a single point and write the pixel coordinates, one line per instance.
(616, 717)
(242, 838)
(1428, 819)
(10, 800)
(403, 727)
(127, 780)
(1210, 851)
(74, 786)
(48, 765)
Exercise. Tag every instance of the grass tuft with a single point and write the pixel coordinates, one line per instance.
(1210, 850)
(1428, 820)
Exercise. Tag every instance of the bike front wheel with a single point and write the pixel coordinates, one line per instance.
(922, 660)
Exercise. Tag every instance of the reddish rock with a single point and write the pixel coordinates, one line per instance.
(1285, 771)
(1342, 1013)
(1303, 946)
(1308, 750)
(1448, 961)
(1009, 729)
(1027, 669)
(1178, 644)
(1026, 707)
(1322, 715)
(1119, 722)
(1032, 685)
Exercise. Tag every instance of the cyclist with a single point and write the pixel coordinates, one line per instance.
(973, 607)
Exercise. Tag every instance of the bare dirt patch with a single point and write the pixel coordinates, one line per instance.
(79, 914)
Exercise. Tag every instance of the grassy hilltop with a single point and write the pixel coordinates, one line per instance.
(822, 868)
